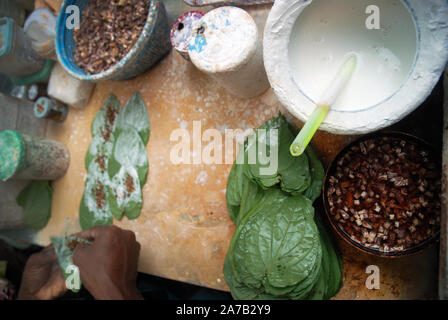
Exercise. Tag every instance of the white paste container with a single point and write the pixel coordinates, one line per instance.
(227, 46)
(63, 87)
(399, 64)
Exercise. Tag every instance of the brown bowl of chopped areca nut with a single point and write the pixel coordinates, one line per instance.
(382, 194)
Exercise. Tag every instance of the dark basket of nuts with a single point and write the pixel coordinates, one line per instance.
(381, 194)
(115, 39)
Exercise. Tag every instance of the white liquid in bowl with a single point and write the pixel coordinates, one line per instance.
(327, 30)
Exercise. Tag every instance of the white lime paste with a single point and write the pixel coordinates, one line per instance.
(326, 31)
(100, 147)
(129, 149)
(95, 175)
(118, 185)
(407, 87)
(128, 140)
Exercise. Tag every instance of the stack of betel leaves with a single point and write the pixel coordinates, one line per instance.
(280, 249)
(116, 163)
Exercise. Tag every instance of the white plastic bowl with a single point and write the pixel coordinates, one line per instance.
(431, 29)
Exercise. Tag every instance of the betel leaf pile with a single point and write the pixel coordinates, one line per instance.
(280, 248)
(116, 163)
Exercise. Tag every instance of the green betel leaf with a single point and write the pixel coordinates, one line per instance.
(116, 161)
(304, 288)
(35, 199)
(276, 245)
(128, 169)
(252, 196)
(292, 242)
(99, 148)
(273, 199)
(317, 176)
(235, 186)
(102, 129)
(240, 291)
(233, 194)
(129, 150)
(319, 289)
(134, 114)
(331, 261)
(277, 250)
(107, 115)
(292, 173)
(94, 209)
(257, 158)
(125, 194)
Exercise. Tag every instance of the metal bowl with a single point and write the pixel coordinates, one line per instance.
(342, 233)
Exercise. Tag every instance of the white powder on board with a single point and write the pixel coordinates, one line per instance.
(201, 179)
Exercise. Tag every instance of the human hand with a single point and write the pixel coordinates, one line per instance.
(108, 266)
(42, 278)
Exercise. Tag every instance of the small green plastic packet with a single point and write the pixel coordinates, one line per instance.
(64, 247)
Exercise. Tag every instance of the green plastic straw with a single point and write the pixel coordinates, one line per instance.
(337, 86)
